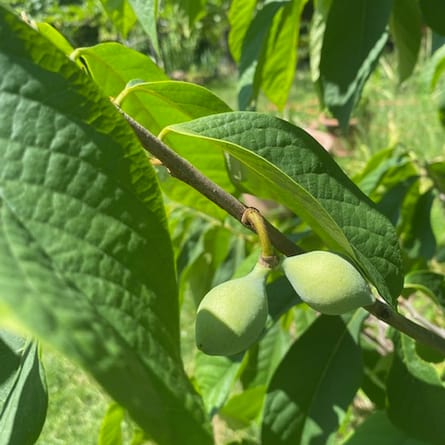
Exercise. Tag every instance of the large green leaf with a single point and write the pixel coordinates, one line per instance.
(112, 65)
(85, 256)
(314, 384)
(23, 396)
(274, 159)
(416, 394)
(377, 429)
(354, 37)
(406, 27)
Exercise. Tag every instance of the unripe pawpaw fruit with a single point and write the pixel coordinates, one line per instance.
(232, 315)
(327, 282)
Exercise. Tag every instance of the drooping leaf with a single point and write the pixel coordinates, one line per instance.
(350, 52)
(147, 13)
(240, 15)
(85, 256)
(377, 429)
(416, 394)
(112, 65)
(433, 12)
(253, 47)
(121, 14)
(314, 384)
(23, 395)
(406, 27)
(276, 160)
(280, 55)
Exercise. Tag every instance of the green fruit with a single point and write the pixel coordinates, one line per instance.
(232, 315)
(327, 282)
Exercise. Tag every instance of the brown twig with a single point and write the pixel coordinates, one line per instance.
(183, 170)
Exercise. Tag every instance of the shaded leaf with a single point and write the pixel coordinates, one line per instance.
(377, 429)
(214, 378)
(350, 53)
(23, 394)
(406, 27)
(314, 384)
(416, 394)
(85, 256)
(418, 236)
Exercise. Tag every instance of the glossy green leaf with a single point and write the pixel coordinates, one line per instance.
(314, 384)
(85, 256)
(433, 12)
(280, 55)
(23, 395)
(121, 14)
(429, 282)
(416, 394)
(276, 160)
(112, 65)
(406, 27)
(240, 15)
(111, 430)
(377, 429)
(350, 53)
(147, 14)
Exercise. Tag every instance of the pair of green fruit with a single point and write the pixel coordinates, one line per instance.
(232, 316)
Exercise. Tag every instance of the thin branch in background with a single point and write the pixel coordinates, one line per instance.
(183, 170)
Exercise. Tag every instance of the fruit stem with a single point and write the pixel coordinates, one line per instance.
(253, 218)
